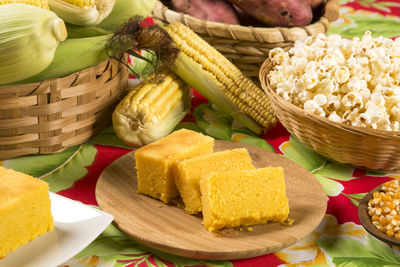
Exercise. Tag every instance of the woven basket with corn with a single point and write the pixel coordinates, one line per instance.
(58, 87)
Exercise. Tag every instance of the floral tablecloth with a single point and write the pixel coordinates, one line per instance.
(339, 239)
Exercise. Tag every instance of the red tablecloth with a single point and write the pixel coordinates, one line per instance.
(338, 240)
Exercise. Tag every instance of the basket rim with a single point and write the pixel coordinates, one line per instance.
(263, 76)
(331, 13)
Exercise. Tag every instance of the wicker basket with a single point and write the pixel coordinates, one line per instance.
(49, 116)
(359, 146)
(248, 47)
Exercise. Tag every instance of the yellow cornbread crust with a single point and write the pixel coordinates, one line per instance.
(244, 197)
(154, 162)
(189, 172)
(24, 209)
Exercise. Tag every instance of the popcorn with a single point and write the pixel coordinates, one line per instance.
(352, 81)
(311, 106)
(342, 74)
(335, 117)
(353, 100)
(320, 99)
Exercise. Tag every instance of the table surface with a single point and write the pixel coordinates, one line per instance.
(338, 240)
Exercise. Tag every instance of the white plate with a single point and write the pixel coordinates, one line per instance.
(76, 225)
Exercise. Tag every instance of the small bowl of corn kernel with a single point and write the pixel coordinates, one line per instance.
(379, 212)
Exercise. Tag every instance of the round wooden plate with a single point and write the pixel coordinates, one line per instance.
(365, 220)
(169, 229)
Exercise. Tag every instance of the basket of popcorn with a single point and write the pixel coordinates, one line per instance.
(245, 31)
(340, 97)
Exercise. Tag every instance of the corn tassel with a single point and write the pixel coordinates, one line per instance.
(29, 37)
(39, 3)
(217, 79)
(82, 12)
(151, 110)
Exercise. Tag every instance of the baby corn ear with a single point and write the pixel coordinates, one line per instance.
(82, 12)
(219, 80)
(151, 110)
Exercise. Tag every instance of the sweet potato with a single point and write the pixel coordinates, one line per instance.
(284, 13)
(213, 10)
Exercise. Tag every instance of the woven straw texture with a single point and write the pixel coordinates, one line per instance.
(248, 47)
(49, 116)
(362, 147)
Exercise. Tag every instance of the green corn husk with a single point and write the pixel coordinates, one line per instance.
(82, 12)
(29, 36)
(73, 55)
(125, 9)
(75, 31)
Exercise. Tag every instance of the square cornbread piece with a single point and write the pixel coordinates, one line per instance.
(24, 209)
(189, 172)
(244, 197)
(154, 161)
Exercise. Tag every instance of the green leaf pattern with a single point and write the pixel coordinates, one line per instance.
(60, 170)
(325, 171)
(215, 123)
(114, 248)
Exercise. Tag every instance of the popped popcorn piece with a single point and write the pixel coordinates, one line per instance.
(335, 117)
(342, 74)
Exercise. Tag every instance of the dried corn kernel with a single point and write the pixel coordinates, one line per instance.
(384, 209)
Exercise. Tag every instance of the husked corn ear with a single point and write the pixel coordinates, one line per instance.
(38, 3)
(82, 12)
(151, 110)
(29, 37)
(223, 74)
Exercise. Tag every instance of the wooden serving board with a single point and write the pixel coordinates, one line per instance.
(169, 229)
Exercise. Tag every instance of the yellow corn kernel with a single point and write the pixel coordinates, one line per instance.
(378, 211)
(390, 232)
(234, 84)
(81, 3)
(382, 221)
(38, 3)
(375, 218)
(151, 110)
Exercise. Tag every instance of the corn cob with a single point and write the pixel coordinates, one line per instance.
(73, 55)
(151, 111)
(39, 3)
(29, 37)
(216, 78)
(82, 12)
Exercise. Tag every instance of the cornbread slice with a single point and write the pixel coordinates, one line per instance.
(154, 161)
(243, 197)
(189, 172)
(24, 209)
